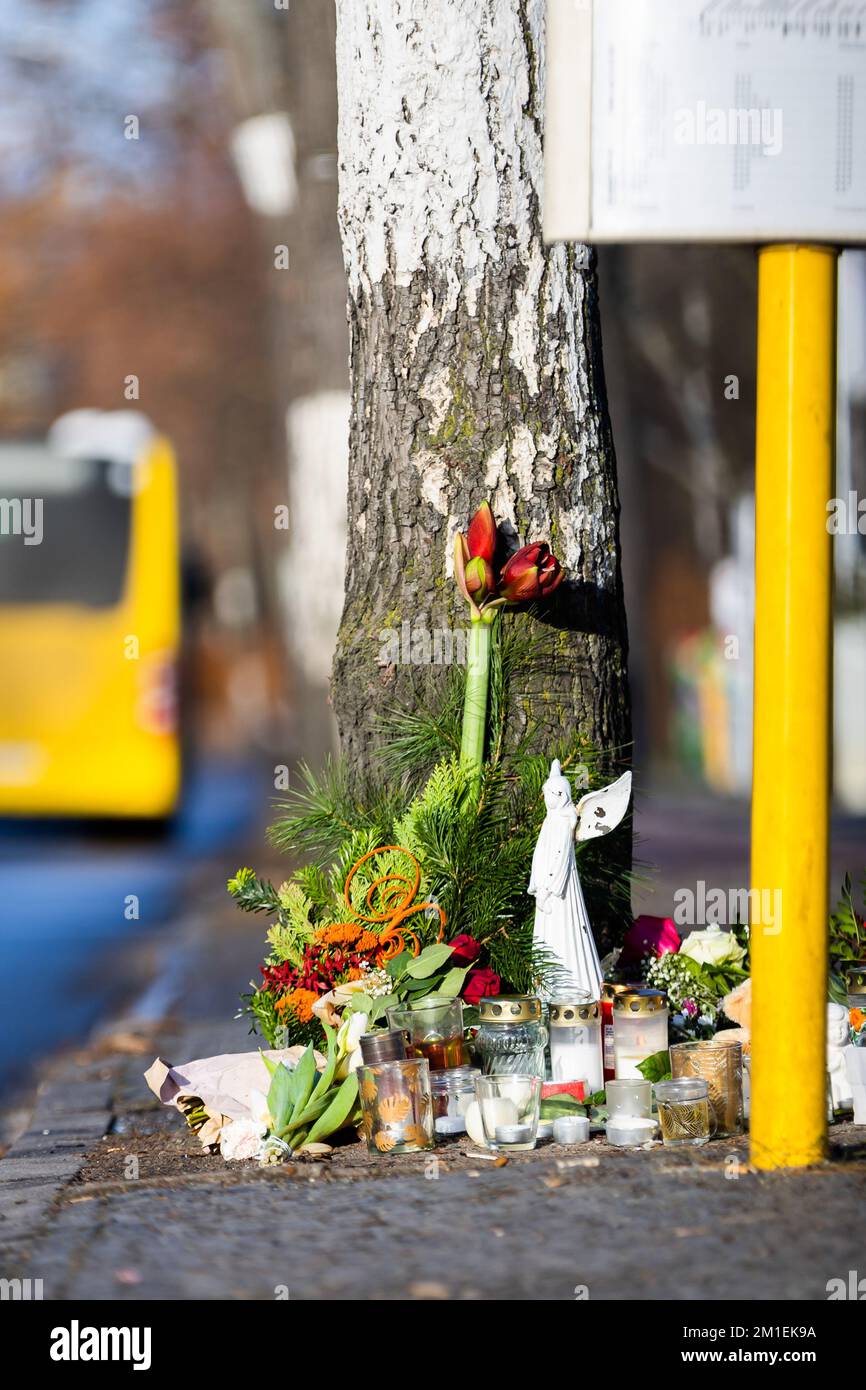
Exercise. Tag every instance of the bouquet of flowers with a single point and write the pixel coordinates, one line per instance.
(416, 883)
(696, 973)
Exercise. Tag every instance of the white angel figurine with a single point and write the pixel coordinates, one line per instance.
(562, 926)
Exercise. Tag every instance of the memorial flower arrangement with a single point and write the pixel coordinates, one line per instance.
(414, 881)
(697, 973)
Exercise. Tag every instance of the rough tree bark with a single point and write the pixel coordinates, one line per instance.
(475, 355)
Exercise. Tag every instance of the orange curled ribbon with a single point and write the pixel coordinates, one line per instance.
(396, 896)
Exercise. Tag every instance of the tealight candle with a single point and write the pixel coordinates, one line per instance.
(571, 1129)
(450, 1124)
(630, 1131)
(513, 1134)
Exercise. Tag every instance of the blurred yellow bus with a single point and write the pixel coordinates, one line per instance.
(90, 616)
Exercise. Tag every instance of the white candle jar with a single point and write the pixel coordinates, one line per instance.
(640, 1028)
(576, 1043)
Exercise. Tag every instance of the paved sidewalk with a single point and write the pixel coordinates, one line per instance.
(107, 1195)
(118, 1201)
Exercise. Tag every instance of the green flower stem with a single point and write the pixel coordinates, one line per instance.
(475, 695)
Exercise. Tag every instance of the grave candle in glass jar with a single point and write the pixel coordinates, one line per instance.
(640, 1028)
(511, 1037)
(609, 992)
(575, 1042)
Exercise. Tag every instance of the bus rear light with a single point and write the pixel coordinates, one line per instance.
(156, 709)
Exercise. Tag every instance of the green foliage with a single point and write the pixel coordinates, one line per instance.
(472, 836)
(847, 938)
(657, 1067)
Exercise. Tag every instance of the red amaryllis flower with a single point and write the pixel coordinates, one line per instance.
(481, 539)
(464, 950)
(533, 572)
(473, 559)
(480, 983)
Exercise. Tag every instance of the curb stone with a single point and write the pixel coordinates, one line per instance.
(73, 1110)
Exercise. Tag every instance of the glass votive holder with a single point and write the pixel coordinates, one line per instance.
(571, 1129)
(435, 1028)
(721, 1066)
(396, 1106)
(509, 1105)
(629, 1098)
(685, 1113)
(453, 1091)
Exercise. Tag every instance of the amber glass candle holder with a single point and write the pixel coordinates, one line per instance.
(721, 1066)
(435, 1028)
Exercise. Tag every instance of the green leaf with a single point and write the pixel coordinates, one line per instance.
(304, 1077)
(311, 1112)
(553, 1106)
(432, 958)
(452, 983)
(327, 1076)
(281, 1096)
(337, 1112)
(271, 1066)
(657, 1067)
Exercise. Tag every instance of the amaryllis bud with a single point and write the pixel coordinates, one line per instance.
(482, 534)
(480, 580)
(532, 573)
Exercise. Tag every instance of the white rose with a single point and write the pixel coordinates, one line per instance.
(712, 946)
(241, 1139)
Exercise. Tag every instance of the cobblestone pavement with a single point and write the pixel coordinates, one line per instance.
(559, 1224)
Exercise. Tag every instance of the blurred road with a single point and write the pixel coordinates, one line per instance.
(74, 900)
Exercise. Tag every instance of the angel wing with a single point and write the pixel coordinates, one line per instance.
(600, 812)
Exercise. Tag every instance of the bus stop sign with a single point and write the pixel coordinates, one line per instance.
(706, 120)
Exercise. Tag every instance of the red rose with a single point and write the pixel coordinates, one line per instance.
(464, 950)
(480, 983)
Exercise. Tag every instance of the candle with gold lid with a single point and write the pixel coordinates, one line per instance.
(575, 1042)
(640, 1028)
(511, 1036)
(609, 992)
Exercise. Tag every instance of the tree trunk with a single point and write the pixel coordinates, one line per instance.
(475, 360)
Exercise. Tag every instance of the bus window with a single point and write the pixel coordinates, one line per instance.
(84, 532)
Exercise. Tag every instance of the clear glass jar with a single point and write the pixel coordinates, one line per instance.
(857, 1006)
(640, 1028)
(511, 1037)
(685, 1113)
(509, 1105)
(575, 1042)
(453, 1091)
(396, 1106)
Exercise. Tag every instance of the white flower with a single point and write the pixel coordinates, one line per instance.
(712, 946)
(258, 1108)
(274, 1150)
(241, 1139)
(348, 1044)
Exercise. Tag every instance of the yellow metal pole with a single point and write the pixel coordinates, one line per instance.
(794, 468)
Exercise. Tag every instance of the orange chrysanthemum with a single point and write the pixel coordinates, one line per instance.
(299, 1002)
(338, 933)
